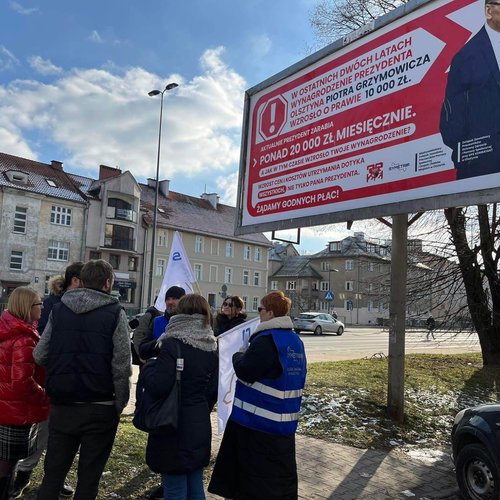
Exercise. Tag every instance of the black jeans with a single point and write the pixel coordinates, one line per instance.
(90, 427)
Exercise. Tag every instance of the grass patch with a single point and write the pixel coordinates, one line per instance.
(344, 402)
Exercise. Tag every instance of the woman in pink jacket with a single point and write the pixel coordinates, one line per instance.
(23, 402)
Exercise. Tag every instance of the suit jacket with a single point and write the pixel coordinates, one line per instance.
(470, 116)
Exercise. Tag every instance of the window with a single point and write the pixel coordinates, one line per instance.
(213, 274)
(198, 271)
(119, 237)
(256, 278)
(211, 300)
(246, 277)
(121, 209)
(349, 286)
(371, 248)
(315, 285)
(371, 266)
(325, 286)
(58, 250)
(258, 254)
(16, 260)
(199, 244)
(255, 303)
(160, 267)
(349, 265)
(325, 266)
(229, 249)
(93, 255)
(335, 246)
(370, 287)
(20, 216)
(228, 275)
(51, 183)
(132, 263)
(291, 285)
(60, 215)
(245, 302)
(274, 285)
(370, 305)
(114, 260)
(247, 252)
(162, 239)
(214, 247)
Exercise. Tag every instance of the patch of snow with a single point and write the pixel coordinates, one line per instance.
(408, 493)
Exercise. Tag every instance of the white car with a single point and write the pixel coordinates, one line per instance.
(318, 323)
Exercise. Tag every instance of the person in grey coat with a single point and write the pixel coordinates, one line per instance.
(86, 352)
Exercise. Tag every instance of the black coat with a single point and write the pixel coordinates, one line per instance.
(253, 465)
(189, 447)
(224, 324)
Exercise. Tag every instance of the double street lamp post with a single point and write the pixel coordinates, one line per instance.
(153, 93)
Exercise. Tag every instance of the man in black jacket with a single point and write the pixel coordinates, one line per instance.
(85, 348)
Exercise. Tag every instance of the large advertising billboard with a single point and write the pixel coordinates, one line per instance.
(404, 119)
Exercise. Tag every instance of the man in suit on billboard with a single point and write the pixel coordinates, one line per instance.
(470, 116)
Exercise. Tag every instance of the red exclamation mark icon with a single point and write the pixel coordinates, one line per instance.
(272, 126)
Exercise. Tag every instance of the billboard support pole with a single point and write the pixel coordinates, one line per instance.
(397, 318)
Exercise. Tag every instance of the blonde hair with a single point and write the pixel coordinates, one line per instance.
(21, 301)
(192, 303)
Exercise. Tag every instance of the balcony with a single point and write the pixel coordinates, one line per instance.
(119, 243)
(122, 214)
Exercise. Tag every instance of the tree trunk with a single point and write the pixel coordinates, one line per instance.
(484, 317)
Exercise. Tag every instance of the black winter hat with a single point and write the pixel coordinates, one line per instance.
(175, 292)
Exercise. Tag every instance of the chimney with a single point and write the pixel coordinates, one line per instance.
(106, 172)
(212, 198)
(164, 187)
(57, 165)
(359, 235)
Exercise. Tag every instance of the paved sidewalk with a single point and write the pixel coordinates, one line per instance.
(333, 471)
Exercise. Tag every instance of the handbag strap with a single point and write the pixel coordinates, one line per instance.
(179, 363)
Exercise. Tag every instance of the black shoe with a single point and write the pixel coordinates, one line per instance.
(157, 494)
(21, 482)
(66, 491)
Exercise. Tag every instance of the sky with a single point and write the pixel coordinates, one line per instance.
(75, 77)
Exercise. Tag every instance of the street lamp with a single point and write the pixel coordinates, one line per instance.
(153, 93)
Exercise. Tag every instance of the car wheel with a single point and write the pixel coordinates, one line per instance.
(317, 330)
(340, 331)
(477, 474)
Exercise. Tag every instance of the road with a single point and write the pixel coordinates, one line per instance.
(359, 342)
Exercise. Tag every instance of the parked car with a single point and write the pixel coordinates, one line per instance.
(318, 323)
(475, 438)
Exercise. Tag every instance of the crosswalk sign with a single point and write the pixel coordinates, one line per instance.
(329, 295)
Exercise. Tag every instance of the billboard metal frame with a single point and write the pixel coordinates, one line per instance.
(480, 196)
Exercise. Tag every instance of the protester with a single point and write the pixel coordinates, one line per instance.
(57, 286)
(256, 459)
(181, 456)
(148, 348)
(23, 401)
(86, 350)
(230, 315)
(143, 329)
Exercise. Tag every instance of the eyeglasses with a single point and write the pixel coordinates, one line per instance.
(37, 304)
(227, 304)
(493, 3)
(260, 309)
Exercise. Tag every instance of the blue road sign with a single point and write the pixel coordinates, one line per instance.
(329, 295)
(349, 305)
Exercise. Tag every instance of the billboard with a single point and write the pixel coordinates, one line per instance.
(404, 119)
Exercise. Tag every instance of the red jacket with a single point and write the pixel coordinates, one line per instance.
(22, 398)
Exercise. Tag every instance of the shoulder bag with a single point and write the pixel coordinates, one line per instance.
(160, 415)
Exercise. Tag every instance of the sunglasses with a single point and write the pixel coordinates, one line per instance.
(227, 304)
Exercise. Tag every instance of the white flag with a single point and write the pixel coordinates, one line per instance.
(178, 272)
(229, 343)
